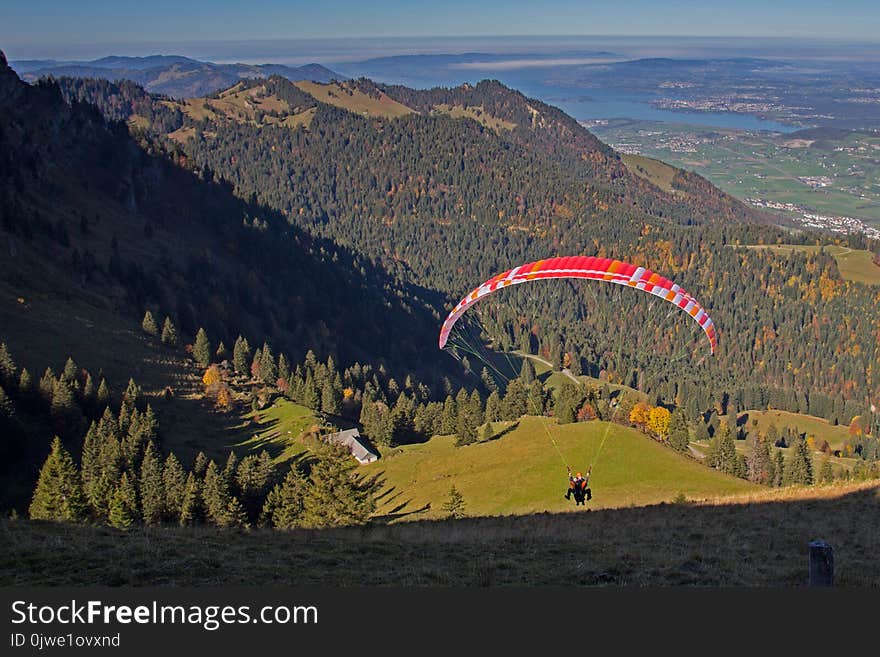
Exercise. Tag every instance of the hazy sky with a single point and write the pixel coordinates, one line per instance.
(33, 28)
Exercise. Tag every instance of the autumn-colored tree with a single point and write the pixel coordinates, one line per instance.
(658, 422)
(586, 412)
(640, 414)
(211, 377)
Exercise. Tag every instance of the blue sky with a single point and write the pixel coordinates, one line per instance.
(30, 27)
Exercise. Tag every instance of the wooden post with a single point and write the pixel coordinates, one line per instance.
(821, 564)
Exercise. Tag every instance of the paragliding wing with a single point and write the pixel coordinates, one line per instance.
(598, 269)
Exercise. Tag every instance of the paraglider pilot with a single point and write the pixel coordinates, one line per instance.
(579, 487)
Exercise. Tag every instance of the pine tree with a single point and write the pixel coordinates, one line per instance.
(493, 407)
(759, 460)
(537, 399)
(284, 507)
(798, 469)
(190, 503)
(516, 400)
(123, 505)
(58, 494)
(268, 371)
(826, 472)
(69, 374)
(47, 385)
(220, 354)
(488, 380)
(149, 324)
(169, 333)
(679, 434)
(778, 469)
(488, 432)
(152, 489)
(253, 479)
(25, 386)
(202, 349)
(465, 427)
(449, 417)
(173, 487)
(200, 465)
(455, 506)
(310, 397)
(241, 355)
(330, 401)
(8, 369)
(336, 496)
(103, 395)
(527, 371)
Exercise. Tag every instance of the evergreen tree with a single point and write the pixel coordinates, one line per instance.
(527, 371)
(202, 349)
(149, 324)
(174, 480)
(103, 394)
(47, 385)
(330, 398)
(169, 333)
(284, 507)
(778, 469)
(8, 369)
(123, 505)
(759, 461)
(537, 399)
(25, 386)
(455, 505)
(336, 496)
(449, 416)
(152, 487)
(69, 374)
(465, 427)
(58, 494)
(310, 398)
(679, 434)
(488, 432)
(268, 371)
(493, 407)
(798, 469)
(190, 503)
(826, 472)
(241, 355)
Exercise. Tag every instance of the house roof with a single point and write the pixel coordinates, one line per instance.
(351, 439)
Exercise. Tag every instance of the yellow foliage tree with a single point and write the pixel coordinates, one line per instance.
(211, 376)
(658, 421)
(640, 414)
(224, 399)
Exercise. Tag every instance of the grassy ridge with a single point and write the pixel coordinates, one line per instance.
(854, 264)
(751, 540)
(522, 472)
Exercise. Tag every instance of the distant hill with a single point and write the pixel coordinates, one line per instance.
(171, 75)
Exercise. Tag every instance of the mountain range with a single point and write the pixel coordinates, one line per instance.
(170, 75)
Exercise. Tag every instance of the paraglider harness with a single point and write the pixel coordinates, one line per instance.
(579, 487)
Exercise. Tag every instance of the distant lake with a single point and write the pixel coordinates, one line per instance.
(580, 103)
(585, 104)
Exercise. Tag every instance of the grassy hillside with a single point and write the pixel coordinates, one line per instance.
(348, 97)
(854, 264)
(749, 540)
(657, 172)
(521, 472)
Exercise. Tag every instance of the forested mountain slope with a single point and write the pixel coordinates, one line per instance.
(90, 213)
(476, 179)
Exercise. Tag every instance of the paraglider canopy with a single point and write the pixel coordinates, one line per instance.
(598, 269)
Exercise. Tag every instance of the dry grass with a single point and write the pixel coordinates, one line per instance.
(478, 114)
(354, 101)
(757, 540)
(654, 171)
